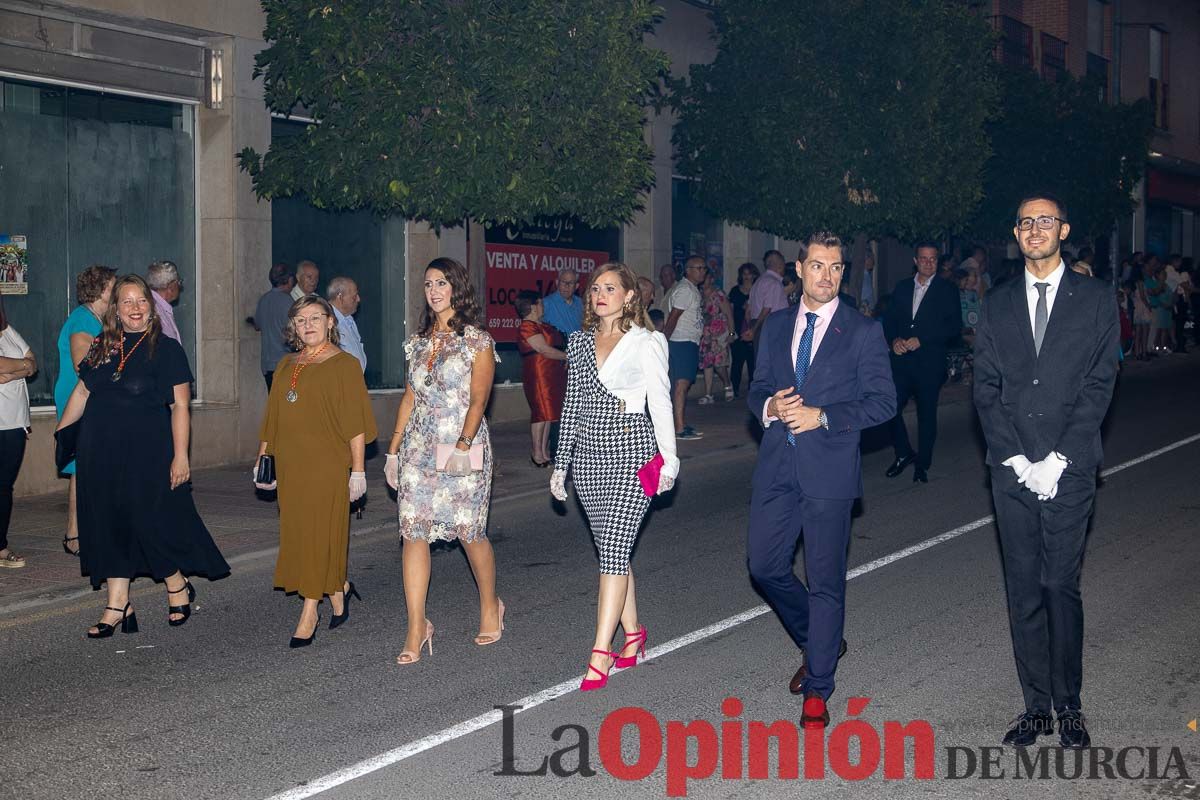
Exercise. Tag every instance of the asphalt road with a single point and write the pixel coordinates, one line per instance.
(221, 708)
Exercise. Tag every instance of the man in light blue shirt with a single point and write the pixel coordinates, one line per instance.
(342, 294)
(563, 309)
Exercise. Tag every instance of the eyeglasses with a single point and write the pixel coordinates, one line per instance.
(307, 322)
(1044, 223)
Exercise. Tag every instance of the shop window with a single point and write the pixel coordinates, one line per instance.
(92, 178)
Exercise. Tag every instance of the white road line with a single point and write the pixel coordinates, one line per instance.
(376, 763)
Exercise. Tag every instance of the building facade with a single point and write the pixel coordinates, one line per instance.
(1137, 49)
(119, 121)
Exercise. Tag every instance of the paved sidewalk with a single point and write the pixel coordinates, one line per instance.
(242, 521)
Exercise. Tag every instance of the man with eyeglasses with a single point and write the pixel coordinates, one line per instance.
(165, 285)
(1045, 366)
(923, 319)
(563, 309)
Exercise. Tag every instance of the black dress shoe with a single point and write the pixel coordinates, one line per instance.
(797, 683)
(815, 713)
(919, 475)
(1027, 727)
(1072, 733)
(899, 465)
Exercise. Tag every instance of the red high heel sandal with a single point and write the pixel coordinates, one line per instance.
(591, 684)
(639, 638)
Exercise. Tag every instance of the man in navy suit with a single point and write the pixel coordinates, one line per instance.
(922, 321)
(821, 376)
(1045, 367)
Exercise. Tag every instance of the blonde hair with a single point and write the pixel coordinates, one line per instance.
(632, 312)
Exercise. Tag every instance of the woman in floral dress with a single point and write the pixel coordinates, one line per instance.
(443, 497)
(714, 339)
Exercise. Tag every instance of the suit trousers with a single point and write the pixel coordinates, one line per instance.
(924, 387)
(814, 615)
(1042, 545)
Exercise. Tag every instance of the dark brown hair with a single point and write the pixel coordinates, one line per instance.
(292, 339)
(90, 283)
(104, 345)
(463, 299)
(525, 301)
(632, 312)
(823, 239)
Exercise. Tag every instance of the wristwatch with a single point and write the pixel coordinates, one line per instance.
(823, 420)
(465, 440)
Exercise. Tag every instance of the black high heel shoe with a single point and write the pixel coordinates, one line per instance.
(128, 624)
(67, 547)
(338, 619)
(298, 642)
(185, 609)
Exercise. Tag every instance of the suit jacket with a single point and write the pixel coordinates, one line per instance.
(849, 379)
(1030, 404)
(938, 325)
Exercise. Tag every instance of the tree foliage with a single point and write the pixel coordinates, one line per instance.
(1064, 138)
(851, 115)
(499, 111)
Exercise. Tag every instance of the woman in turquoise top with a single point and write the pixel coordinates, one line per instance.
(93, 290)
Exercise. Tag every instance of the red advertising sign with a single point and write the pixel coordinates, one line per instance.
(514, 267)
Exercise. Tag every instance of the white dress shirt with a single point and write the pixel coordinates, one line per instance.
(919, 290)
(636, 372)
(824, 318)
(1031, 292)
(14, 395)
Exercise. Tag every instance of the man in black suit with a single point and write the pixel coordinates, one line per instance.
(1045, 366)
(923, 319)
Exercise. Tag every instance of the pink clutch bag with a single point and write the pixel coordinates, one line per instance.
(442, 453)
(649, 473)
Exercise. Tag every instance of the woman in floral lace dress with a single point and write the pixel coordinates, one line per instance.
(451, 363)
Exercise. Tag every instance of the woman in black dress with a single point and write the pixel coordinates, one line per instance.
(136, 515)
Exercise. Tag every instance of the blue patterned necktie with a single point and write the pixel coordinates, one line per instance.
(803, 355)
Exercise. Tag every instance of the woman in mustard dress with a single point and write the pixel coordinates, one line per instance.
(317, 426)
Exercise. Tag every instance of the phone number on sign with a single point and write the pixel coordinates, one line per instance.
(503, 322)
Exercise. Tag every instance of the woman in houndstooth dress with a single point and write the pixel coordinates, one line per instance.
(617, 369)
(451, 363)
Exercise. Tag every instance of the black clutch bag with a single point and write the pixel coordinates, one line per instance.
(265, 473)
(65, 441)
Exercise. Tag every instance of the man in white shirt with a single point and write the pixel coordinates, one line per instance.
(1046, 352)
(307, 278)
(165, 285)
(342, 294)
(682, 328)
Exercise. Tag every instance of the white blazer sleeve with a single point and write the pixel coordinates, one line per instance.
(658, 399)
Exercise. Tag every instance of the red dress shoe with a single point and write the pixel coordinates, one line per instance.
(815, 714)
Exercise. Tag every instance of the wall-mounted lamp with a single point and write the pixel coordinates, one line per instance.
(215, 71)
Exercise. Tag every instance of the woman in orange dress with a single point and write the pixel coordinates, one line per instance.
(543, 372)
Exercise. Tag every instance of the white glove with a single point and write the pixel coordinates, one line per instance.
(558, 485)
(665, 483)
(1042, 478)
(1020, 465)
(391, 470)
(459, 463)
(266, 487)
(358, 485)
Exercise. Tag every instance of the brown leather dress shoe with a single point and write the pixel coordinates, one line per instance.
(815, 713)
(796, 686)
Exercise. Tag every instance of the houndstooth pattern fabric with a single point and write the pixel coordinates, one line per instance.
(606, 447)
